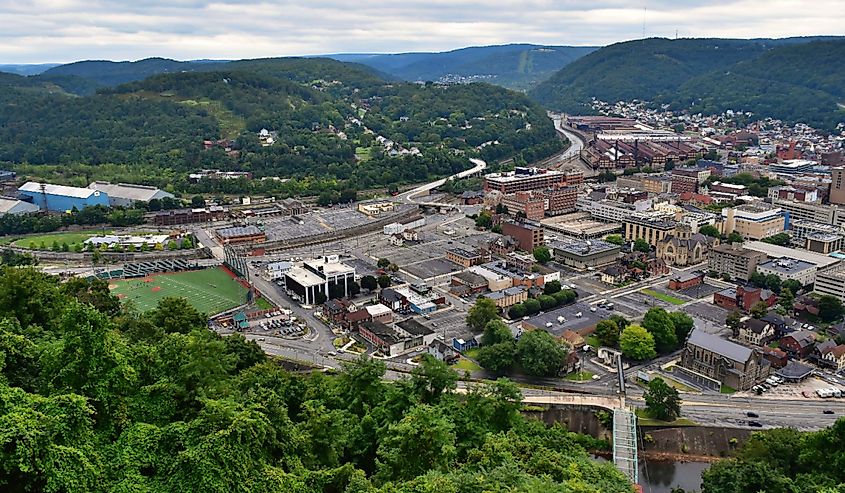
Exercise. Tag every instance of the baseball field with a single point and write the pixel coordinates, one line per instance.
(210, 290)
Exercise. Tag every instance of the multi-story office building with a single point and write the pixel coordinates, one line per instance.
(827, 214)
(528, 235)
(790, 268)
(734, 260)
(831, 282)
(585, 254)
(837, 186)
(753, 221)
(526, 179)
(802, 228)
(647, 227)
(530, 205)
(321, 275)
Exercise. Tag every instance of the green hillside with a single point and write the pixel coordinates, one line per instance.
(795, 83)
(323, 110)
(795, 79)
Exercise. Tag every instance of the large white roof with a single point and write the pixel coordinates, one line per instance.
(129, 191)
(80, 193)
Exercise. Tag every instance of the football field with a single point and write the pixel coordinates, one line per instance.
(210, 290)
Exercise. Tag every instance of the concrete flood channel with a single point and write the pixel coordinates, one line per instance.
(669, 457)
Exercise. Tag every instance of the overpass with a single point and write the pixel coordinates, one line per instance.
(409, 196)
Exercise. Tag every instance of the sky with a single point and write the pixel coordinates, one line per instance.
(42, 31)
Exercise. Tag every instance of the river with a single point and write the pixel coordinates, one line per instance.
(662, 476)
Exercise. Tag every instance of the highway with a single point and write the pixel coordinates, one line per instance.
(408, 196)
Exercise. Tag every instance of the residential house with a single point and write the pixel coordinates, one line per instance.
(820, 350)
(464, 345)
(798, 344)
(336, 310)
(756, 332)
(443, 352)
(777, 357)
(836, 357)
(613, 275)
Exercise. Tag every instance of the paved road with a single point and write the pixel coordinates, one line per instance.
(409, 196)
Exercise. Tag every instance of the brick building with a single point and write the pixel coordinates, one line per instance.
(528, 235)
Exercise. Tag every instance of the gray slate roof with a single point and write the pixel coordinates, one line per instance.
(720, 346)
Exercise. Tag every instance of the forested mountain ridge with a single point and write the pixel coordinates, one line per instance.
(516, 66)
(94, 398)
(791, 79)
(335, 124)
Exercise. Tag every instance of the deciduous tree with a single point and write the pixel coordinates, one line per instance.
(637, 343)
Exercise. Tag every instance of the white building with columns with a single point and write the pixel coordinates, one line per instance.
(310, 277)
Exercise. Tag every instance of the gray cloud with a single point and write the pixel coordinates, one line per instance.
(67, 30)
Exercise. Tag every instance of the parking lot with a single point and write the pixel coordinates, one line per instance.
(801, 390)
(448, 324)
(315, 223)
(701, 291)
(277, 323)
(587, 320)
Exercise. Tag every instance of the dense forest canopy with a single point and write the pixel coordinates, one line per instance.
(329, 120)
(96, 399)
(797, 80)
(783, 461)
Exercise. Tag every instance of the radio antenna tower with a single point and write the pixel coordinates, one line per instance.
(645, 9)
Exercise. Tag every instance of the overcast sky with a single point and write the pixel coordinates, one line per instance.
(35, 31)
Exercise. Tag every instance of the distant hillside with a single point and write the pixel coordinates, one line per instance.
(797, 83)
(102, 73)
(515, 66)
(335, 125)
(795, 79)
(26, 68)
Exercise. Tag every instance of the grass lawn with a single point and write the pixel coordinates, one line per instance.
(263, 304)
(210, 290)
(472, 353)
(231, 125)
(47, 239)
(466, 365)
(643, 419)
(594, 341)
(678, 385)
(363, 153)
(663, 297)
(579, 376)
(727, 390)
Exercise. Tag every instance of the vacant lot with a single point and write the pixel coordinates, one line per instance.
(210, 291)
(46, 241)
(663, 297)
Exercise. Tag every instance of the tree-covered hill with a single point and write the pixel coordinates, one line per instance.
(104, 73)
(94, 398)
(335, 125)
(516, 66)
(795, 79)
(801, 82)
(783, 461)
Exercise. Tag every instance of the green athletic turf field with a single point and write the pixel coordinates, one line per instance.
(210, 290)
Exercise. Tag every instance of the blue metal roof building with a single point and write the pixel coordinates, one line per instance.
(59, 198)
